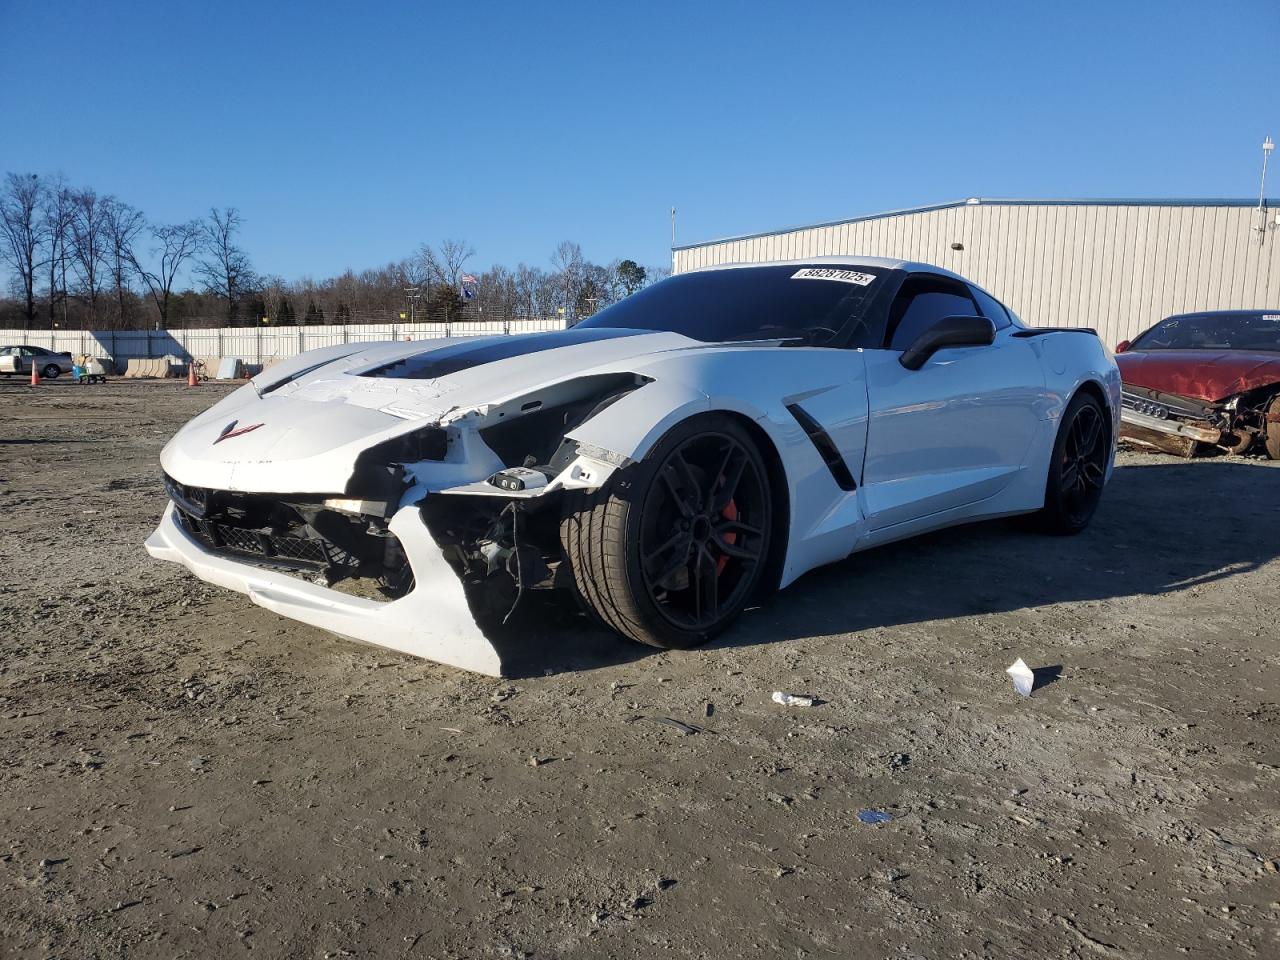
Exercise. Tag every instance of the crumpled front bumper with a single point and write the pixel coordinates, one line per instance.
(432, 621)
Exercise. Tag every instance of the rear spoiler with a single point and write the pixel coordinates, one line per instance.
(1038, 331)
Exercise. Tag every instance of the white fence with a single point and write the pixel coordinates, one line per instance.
(254, 345)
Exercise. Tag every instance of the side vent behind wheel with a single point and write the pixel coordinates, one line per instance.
(825, 446)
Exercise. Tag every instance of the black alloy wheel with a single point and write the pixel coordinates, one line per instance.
(1078, 469)
(703, 530)
(672, 549)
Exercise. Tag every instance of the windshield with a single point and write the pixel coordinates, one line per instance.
(809, 305)
(1223, 331)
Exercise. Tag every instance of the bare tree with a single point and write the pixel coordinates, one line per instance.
(224, 267)
(56, 213)
(571, 273)
(453, 256)
(121, 226)
(88, 245)
(20, 235)
(536, 291)
(273, 290)
(176, 243)
(441, 269)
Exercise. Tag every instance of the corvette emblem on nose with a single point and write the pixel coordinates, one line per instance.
(230, 431)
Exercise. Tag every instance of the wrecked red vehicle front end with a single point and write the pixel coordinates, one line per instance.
(1204, 380)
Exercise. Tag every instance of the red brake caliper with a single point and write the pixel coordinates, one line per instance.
(730, 512)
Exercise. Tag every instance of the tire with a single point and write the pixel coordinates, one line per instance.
(1077, 468)
(1240, 446)
(50, 372)
(698, 507)
(1272, 440)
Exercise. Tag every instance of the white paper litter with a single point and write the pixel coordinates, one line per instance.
(793, 699)
(1022, 676)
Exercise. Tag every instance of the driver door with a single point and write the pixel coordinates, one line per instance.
(956, 431)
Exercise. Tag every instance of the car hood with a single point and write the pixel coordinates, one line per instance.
(299, 426)
(1203, 374)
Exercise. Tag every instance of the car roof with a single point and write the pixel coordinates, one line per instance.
(887, 263)
(1222, 313)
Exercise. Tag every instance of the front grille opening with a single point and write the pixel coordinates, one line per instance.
(354, 554)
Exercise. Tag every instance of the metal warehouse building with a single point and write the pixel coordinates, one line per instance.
(1117, 265)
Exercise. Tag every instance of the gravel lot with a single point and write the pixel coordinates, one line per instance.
(187, 775)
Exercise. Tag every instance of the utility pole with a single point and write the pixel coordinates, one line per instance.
(673, 228)
(1267, 146)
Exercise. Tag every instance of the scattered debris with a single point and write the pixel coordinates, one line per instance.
(794, 699)
(1022, 676)
(684, 728)
(874, 816)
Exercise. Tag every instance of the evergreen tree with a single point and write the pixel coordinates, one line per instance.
(285, 316)
(314, 314)
(632, 276)
(343, 314)
(444, 303)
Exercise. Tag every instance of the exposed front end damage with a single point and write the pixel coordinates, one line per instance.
(432, 542)
(1184, 425)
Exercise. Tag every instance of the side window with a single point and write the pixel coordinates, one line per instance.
(921, 303)
(992, 309)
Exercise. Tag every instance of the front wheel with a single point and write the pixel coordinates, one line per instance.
(671, 549)
(1271, 437)
(1078, 467)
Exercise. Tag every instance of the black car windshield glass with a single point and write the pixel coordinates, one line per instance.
(804, 305)
(1229, 331)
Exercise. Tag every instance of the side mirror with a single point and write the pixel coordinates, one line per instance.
(948, 332)
(1122, 346)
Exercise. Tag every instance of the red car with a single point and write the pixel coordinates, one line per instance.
(1204, 378)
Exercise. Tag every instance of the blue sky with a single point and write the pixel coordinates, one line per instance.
(348, 134)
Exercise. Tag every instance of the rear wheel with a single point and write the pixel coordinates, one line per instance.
(1078, 467)
(671, 549)
(51, 371)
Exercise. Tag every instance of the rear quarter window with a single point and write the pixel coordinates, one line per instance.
(992, 308)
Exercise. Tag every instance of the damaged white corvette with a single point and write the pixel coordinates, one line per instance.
(713, 436)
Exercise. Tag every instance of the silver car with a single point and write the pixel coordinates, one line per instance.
(20, 359)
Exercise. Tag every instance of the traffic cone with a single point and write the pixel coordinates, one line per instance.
(35, 376)
(191, 375)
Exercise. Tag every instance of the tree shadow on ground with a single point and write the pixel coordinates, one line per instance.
(1162, 528)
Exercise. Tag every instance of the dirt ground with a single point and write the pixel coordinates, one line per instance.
(187, 775)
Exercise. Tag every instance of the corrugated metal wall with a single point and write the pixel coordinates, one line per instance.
(1119, 267)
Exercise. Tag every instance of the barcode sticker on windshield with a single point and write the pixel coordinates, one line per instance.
(828, 273)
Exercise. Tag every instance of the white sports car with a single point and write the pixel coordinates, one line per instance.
(715, 435)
